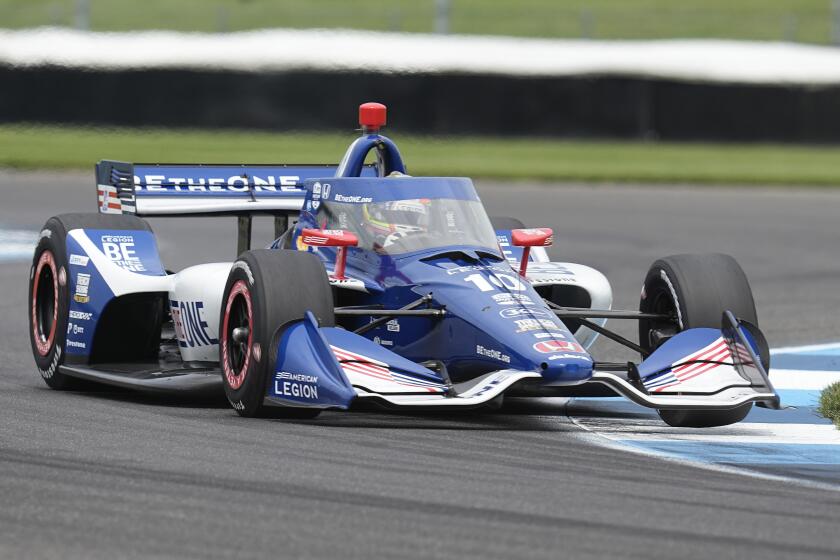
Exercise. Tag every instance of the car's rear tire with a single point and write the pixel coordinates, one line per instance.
(265, 290)
(49, 298)
(695, 290)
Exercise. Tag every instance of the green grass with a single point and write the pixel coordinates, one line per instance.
(802, 20)
(39, 147)
(830, 404)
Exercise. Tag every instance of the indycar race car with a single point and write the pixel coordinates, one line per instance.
(380, 287)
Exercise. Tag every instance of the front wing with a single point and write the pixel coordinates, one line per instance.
(316, 367)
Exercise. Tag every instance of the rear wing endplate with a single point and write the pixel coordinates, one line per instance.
(149, 189)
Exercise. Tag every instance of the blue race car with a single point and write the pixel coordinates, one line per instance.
(380, 287)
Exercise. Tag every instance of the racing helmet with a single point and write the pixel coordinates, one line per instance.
(397, 218)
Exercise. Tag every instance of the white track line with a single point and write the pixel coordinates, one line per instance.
(808, 348)
(622, 435)
(804, 379)
(617, 444)
(17, 244)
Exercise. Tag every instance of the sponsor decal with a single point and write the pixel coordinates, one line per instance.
(495, 281)
(245, 268)
(74, 344)
(325, 236)
(82, 288)
(534, 235)
(527, 325)
(296, 385)
(73, 328)
(316, 190)
(472, 268)
(549, 335)
(393, 325)
(79, 260)
(327, 187)
(356, 366)
(80, 315)
(553, 346)
(119, 249)
(550, 267)
(354, 198)
(50, 371)
(191, 327)
(490, 353)
(504, 247)
(490, 383)
(521, 312)
(512, 299)
(567, 356)
(539, 279)
(381, 342)
(232, 183)
(109, 202)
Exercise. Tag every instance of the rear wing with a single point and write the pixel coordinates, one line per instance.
(150, 189)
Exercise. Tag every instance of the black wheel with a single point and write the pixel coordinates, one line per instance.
(48, 300)
(265, 290)
(695, 290)
(504, 222)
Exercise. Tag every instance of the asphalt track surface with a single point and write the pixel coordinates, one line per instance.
(111, 474)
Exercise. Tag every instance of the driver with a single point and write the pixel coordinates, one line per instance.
(388, 222)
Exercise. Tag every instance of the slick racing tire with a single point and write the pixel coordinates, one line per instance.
(49, 298)
(504, 222)
(266, 289)
(695, 290)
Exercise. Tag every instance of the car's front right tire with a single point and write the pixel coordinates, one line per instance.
(695, 290)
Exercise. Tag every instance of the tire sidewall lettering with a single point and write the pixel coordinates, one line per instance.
(235, 380)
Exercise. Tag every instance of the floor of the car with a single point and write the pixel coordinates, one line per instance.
(150, 377)
(167, 374)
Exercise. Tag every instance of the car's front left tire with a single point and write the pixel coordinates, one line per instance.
(265, 291)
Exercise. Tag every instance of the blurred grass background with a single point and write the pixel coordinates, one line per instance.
(791, 20)
(30, 147)
(37, 147)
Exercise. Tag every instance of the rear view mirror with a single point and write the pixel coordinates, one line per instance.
(527, 238)
(331, 238)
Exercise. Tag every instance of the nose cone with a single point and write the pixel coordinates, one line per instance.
(566, 368)
(561, 358)
(496, 320)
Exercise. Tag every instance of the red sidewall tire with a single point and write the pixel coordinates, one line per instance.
(53, 240)
(47, 306)
(265, 291)
(238, 303)
(44, 303)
